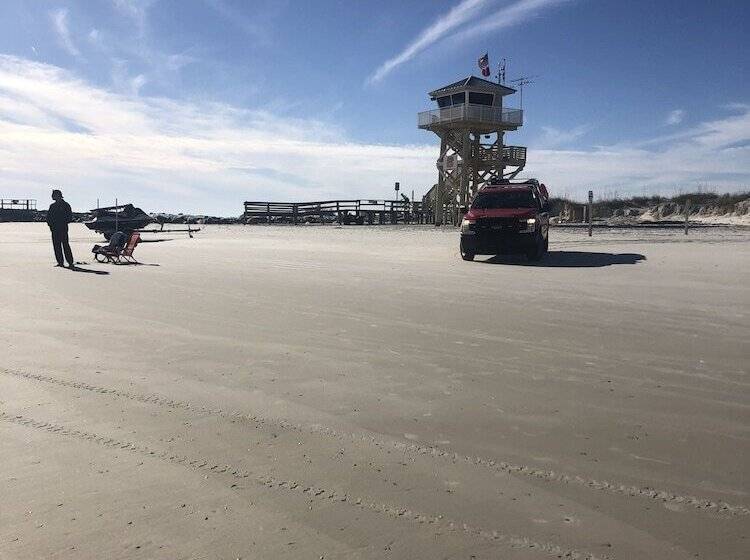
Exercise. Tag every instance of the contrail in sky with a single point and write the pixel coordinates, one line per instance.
(466, 11)
(456, 16)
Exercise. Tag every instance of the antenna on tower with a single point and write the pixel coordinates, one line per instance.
(523, 81)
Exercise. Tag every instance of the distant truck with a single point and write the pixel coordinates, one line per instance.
(507, 218)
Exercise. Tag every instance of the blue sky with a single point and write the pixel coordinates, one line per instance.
(198, 105)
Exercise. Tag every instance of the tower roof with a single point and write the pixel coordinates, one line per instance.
(473, 83)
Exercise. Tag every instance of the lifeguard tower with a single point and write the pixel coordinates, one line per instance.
(471, 121)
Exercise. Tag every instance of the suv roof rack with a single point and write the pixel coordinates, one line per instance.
(535, 185)
(509, 183)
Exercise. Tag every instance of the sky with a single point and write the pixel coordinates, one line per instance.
(197, 105)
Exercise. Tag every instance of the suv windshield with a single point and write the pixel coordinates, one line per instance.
(507, 199)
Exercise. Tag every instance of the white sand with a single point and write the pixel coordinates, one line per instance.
(314, 392)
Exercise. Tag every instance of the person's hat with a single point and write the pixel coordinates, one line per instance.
(57, 192)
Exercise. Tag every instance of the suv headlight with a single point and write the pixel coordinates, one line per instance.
(527, 224)
(466, 226)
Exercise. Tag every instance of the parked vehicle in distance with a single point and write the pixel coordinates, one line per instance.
(507, 218)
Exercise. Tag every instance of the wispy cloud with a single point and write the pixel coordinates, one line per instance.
(169, 154)
(134, 62)
(555, 137)
(175, 155)
(94, 36)
(60, 23)
(252, 27)
(466, 21)
(123, 81)
(716, 152)
(137, 10)
(675, 117)
(515, 14)
(457, 16)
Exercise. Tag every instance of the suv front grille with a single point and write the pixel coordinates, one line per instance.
(497, 224)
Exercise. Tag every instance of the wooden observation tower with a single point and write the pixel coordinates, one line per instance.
(471, 121)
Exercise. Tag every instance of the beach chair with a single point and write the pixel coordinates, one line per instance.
(127, 252)
(117, 255)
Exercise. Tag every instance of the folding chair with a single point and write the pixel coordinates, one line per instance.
(127, 253)
(116, 255)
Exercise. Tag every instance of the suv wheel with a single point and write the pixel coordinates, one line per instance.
(466, 255)
(537, 252)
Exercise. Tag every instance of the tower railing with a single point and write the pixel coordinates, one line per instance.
(507, 155)
(470, 112)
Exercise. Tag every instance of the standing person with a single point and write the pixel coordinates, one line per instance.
(59, 216)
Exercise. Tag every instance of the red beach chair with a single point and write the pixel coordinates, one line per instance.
(118, 256)
(127, 252)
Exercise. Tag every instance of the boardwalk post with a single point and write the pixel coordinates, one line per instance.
(294, 214)
(268, 213)
(591, 212)
(687, 214)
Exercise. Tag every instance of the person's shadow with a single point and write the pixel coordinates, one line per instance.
(570, 259)
(76, 268)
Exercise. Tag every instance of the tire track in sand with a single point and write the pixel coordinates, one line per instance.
(627, 490)
(312, 493)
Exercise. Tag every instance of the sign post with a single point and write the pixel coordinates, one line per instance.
(687, 215)
(590, 212)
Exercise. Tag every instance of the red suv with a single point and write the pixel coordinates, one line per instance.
(507, 218)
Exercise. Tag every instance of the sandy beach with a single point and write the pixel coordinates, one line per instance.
(361, 392)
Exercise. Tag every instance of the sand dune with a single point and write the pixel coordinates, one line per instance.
(322, 392)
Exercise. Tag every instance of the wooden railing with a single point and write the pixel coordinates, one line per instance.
(17, 204)
(340, 211)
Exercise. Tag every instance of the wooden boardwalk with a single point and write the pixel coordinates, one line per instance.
(360, 212)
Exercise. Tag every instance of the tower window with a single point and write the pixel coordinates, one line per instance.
(458, 98)
(481, 98)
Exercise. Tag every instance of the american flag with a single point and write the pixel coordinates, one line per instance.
(484, 64)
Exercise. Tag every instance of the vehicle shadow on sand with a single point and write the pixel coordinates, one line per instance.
(569, 259)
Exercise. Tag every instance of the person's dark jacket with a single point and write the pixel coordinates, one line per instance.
(59, 215)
